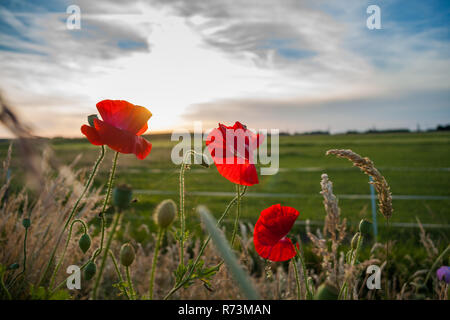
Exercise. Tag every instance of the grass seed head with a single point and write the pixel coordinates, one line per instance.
(379, 182)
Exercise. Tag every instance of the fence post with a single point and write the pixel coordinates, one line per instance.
(374, 209)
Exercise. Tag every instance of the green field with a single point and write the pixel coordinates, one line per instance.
(414, 164)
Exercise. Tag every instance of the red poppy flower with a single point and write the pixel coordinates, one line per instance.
(121, 129)
(232, 151)
(271, 230)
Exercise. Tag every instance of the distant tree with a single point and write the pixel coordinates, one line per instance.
(443, 127)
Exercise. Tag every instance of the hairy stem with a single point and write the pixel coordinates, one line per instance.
(182, 218)
(186, 278)
(116, 267)
(154, 261)
(238, 214)
(182, 196)
(105, 254)
(130, 283)
(69, 235)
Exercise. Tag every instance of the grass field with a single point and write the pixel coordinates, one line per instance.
(414, 164)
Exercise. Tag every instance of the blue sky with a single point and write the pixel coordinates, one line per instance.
(292, 65)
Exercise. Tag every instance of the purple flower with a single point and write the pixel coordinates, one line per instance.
(443, 274)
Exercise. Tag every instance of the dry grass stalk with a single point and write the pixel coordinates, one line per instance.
(426, 241)
(332, 265)
(25, 139)
(379, 182)
(47, 212)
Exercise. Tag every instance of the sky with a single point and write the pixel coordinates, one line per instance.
(290, 65)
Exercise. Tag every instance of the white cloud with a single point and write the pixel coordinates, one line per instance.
(204, 59)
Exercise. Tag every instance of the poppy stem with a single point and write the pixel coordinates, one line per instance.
(105, 254)
(119, 274)
(297, 279)
(69, 218)
(182, 196)
(102, 216)
(65, 280)
(238, 214)
(186, 278)
(69, 235)
(182, 218)
(154, 261)
(130, 283)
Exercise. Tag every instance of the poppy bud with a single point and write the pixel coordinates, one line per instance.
(365, 227)
(26, 223)
(91, 119)
(127, 255)
(84, 243)
(122, 196)
(165, 213)
(90, 270)
(13, 266)
(326, 292)
(355, 240)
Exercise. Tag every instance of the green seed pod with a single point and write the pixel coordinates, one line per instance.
(26, 223)
(365, 227)
(127, 255)
(91, 118)
(84, 243)
(165, 213)
(326, 292)
(13, 266)
(355, 240)
(90, 270)
(122, 196)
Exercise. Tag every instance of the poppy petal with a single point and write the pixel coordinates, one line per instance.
(283, 250)
(243, 174)
(124, 115)
(234, 162)
(270, 232)
(92, 135)
(275, 222)
(121, 140)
